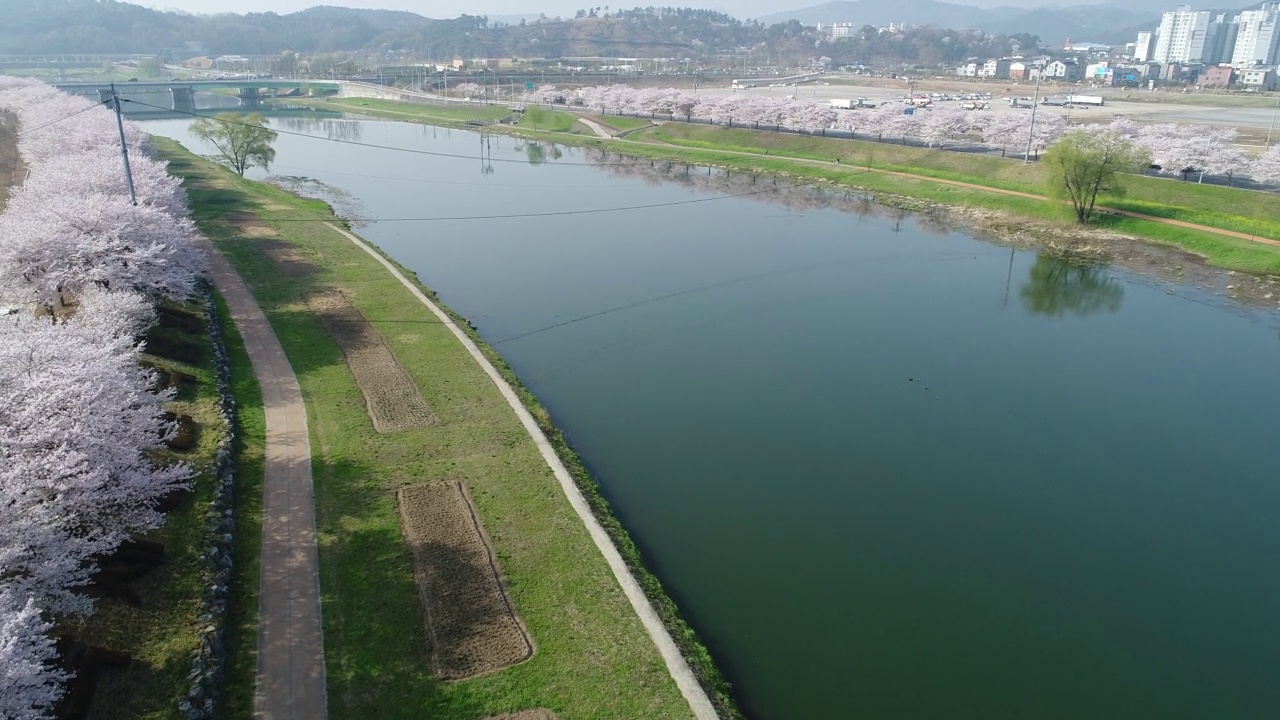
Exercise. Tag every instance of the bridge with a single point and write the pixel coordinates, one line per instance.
(180, 95)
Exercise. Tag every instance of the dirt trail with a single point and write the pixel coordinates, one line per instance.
(998, 191)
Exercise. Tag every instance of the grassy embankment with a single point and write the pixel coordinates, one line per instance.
(867, 165)
(242, 619)
(621, 124)
(447, 115)
(593, 657)
(161, 634)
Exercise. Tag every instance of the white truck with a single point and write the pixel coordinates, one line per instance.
(843, 104)
(1086, 100)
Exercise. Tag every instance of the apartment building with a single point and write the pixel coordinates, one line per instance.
(1145, 47)
(1258, 37)
(1186, 36)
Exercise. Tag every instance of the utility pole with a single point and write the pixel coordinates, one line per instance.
(1273, 124)
(124, 148)
(1031, 131)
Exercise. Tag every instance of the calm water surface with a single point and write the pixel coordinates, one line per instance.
(887, 471)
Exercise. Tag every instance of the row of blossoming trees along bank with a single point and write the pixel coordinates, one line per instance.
(1174, 148)
(81, 269)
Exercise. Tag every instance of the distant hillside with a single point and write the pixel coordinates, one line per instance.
(652, 32)
(107, 26)
(876, 12)
(1052, 24)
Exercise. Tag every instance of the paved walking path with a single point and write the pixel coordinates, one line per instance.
(693, 693)
(596, 127)
(290, 682)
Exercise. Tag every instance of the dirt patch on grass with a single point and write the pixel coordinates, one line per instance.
(471, 623)
(391, 397)
(258, 231)
(535, 714)
(288, 259)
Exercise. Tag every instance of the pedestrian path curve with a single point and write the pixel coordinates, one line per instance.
(290, 679)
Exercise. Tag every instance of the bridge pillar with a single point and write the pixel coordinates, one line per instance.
(184, 99)
(249, 98)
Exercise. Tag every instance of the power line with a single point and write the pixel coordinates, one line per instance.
(560, 213)
(357, 143)
(64, 117)
(435, 182)
(594, 211)
(555, 213)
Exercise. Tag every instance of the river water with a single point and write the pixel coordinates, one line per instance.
(888, 470)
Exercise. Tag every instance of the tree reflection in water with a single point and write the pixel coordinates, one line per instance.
(332, 128)
(1058, 286)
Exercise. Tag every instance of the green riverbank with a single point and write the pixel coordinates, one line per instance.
(594, 658)
(870, 166)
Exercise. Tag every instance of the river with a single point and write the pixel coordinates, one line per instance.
(887, 469)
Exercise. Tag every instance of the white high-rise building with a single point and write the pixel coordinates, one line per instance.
(1258, 41)
(1145, 47)
(1186, 37)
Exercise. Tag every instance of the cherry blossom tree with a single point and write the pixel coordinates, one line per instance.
(943, 124)
(77, 423)
(58, 244)
(1267, 167)
(470, 90)
(30, 682)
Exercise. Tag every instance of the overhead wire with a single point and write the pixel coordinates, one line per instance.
(555, 213)
(818, 184)
(357, 143)
(434, 182)
(64, 117)
(507, 216)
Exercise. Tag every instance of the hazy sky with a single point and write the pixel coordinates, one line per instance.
(453, 8)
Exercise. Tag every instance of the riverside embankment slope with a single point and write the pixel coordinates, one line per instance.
(1229, 227)
(594, 658)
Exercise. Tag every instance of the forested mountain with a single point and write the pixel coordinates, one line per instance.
(928, 46)
(643, 32)
(108, 26)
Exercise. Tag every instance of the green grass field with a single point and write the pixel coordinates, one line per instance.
(1250, 211)
(813, 157)
(242, 619)
(593, 658)
(453, 113)
(555, 121)
(622, 124)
